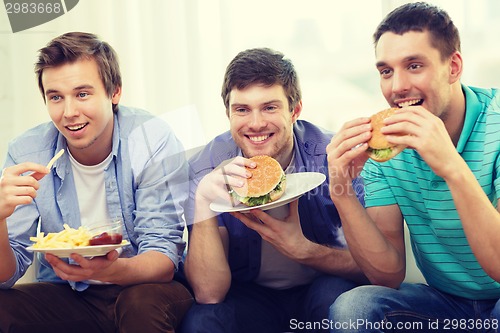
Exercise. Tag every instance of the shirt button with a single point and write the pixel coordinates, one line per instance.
(434, 184)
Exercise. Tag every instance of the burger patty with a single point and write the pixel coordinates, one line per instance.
(263, 199)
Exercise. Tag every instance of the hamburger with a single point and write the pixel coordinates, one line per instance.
(379, 149)
(267, 184)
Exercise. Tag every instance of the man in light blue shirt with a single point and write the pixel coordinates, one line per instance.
(121, 163)
(445, 185)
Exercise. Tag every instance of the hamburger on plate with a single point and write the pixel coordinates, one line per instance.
(267, 184)
(379, 149)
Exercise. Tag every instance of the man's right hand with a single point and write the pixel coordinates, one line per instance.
(18, 189)
(217, 184)
(346, 155)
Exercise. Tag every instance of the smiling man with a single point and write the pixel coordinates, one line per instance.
(445, 185)
(78, 106)
(120, 163)
(260, 272)
(267, 130)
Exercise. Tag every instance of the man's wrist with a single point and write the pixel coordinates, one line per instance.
(339, 193)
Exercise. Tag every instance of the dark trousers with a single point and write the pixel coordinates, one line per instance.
(250, 308)
(52, 308)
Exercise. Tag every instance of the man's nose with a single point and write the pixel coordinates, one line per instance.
(70, 108)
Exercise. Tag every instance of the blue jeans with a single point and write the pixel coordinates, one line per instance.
(251, 308)
(412, 308)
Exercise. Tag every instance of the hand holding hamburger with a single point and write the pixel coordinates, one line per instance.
(267, 184)
(379, 149)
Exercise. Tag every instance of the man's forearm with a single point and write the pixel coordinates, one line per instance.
(7, 258)
(151, 266)
(480, 219)
(206, 264)
(371, 248)
(332, 261)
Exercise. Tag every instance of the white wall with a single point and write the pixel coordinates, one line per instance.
(173, 53)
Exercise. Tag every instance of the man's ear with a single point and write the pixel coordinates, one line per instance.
(456, 67)
(116, 95)
(296, 111)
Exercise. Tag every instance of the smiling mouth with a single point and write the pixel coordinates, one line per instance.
(411, 102)
(75, 128)
(259, 138)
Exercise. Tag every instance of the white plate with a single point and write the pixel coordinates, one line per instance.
(84, 251)
(296, 185)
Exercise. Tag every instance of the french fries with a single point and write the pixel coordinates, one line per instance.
(67, 238)
(55, 158)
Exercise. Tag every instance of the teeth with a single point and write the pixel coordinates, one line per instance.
(258, 138)
(76, 127)
(408, 103)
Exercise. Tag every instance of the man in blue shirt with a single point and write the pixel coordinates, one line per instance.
(280, 273)
(120, 163)
(445, 185)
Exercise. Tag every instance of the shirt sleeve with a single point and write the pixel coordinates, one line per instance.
(358, 185)
(161, 182)
(22, 224)
(496, 180)
(194, 181)
(377, 189)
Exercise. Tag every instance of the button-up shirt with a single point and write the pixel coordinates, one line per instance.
(319, 218)
(145, 183)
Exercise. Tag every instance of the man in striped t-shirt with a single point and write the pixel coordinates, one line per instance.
(445, 185)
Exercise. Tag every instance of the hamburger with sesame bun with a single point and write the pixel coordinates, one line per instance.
(267, 184)
(379, 149)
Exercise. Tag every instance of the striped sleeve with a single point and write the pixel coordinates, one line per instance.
(496, 180)
(377, 190)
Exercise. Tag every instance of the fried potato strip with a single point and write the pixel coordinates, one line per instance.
(67, 238)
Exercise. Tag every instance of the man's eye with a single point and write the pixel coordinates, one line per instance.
(385, 72)
(82, 94)
(55, 98)
(414, 66)
(270, 108)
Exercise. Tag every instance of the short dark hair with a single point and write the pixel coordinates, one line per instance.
(74, 46)
(261, 66)
(421, 16)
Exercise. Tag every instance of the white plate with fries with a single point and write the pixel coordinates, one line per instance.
(84, 251)
(68, 241)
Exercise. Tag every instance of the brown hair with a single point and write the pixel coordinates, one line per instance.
(421, 16)
(261, 66)
(73, 46)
